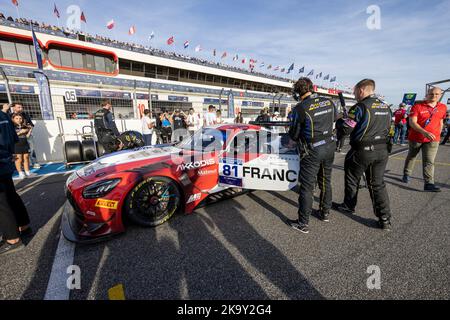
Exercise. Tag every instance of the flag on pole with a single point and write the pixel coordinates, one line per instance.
(333, 79)
(319, 75)
(132, 30)
(236, 58)
(262, 64)
(327, 77)
(282, 70)
(311, 73)
(243, 61)
(214, 52)
(276, 68)
(56, 12)
(302, 70)
(110, 24)
(151, 36)
(291, 68)
(198, 48)
(269, 67)
(186, 44)
(83, 17)
(224, 55)
(170, 41)
(15, 2)
(37, 49)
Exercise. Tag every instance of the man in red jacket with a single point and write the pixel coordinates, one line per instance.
(426, 120)
(400, 124)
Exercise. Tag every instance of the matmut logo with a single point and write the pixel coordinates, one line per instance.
(196, 164)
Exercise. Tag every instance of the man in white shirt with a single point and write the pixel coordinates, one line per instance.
(147, 127)
(193, 121)
(210, 116)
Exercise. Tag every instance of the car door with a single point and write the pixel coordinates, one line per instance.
(259, 160)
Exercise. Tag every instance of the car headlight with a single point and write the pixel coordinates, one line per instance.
(100, 189)
(71, 178)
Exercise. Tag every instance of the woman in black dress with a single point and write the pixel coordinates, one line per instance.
(22, 148)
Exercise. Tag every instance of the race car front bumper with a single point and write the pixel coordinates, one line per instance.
(76, 230)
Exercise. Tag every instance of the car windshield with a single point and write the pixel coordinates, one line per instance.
(205, 140)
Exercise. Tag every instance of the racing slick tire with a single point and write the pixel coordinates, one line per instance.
(153, 201)
(100, 150)
(88, 150)
(73, 152)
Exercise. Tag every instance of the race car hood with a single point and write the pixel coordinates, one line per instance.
(128, 160)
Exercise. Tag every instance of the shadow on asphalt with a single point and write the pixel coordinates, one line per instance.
(187, 258)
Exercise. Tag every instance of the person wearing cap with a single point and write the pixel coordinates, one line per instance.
(400, 124)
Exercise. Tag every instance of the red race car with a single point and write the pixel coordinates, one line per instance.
(148, 185)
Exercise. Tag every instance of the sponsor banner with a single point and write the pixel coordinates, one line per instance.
(253, 104)
(276, 105)
(144, 96)
(45, 98)
(142, 105)
(178, 98)
(214, 101)
(231, 111)
(409, 99)
(88, 93)
(16, 88)
(116, 95)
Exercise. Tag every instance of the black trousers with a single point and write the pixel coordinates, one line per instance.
(12, 210)
(447, 136)
(314, 167)
(340, 142)
(373, 164)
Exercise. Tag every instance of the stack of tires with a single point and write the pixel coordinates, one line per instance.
(84, 151)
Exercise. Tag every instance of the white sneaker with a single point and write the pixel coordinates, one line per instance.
(21, 175)
(29, 174)
(36, 166)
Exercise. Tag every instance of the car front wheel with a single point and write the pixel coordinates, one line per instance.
(153, 201)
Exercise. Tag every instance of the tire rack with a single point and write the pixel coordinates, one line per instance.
(77, 134)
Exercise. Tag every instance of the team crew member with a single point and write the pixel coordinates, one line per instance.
(400, 124)
(447, 136)
(106, 128)
(426, 121)
(178, 121)
(14, 219)
(369, 152)
(312, 127)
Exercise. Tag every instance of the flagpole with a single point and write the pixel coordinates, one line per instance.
(18, 12)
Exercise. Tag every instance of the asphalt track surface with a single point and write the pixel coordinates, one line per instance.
(241, 248)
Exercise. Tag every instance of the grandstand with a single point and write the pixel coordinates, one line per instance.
(83, 70)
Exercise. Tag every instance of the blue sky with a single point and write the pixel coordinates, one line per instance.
(411, 49)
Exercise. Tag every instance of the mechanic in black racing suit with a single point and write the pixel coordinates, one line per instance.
(106, 128)
(371, 144)
(312, 129)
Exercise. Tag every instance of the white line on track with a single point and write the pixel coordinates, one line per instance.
(57, 285)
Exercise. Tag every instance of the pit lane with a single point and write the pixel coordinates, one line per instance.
(241, 248)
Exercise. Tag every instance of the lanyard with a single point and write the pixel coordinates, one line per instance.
(432, 113)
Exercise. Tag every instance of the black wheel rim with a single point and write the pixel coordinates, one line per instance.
(156, 199)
